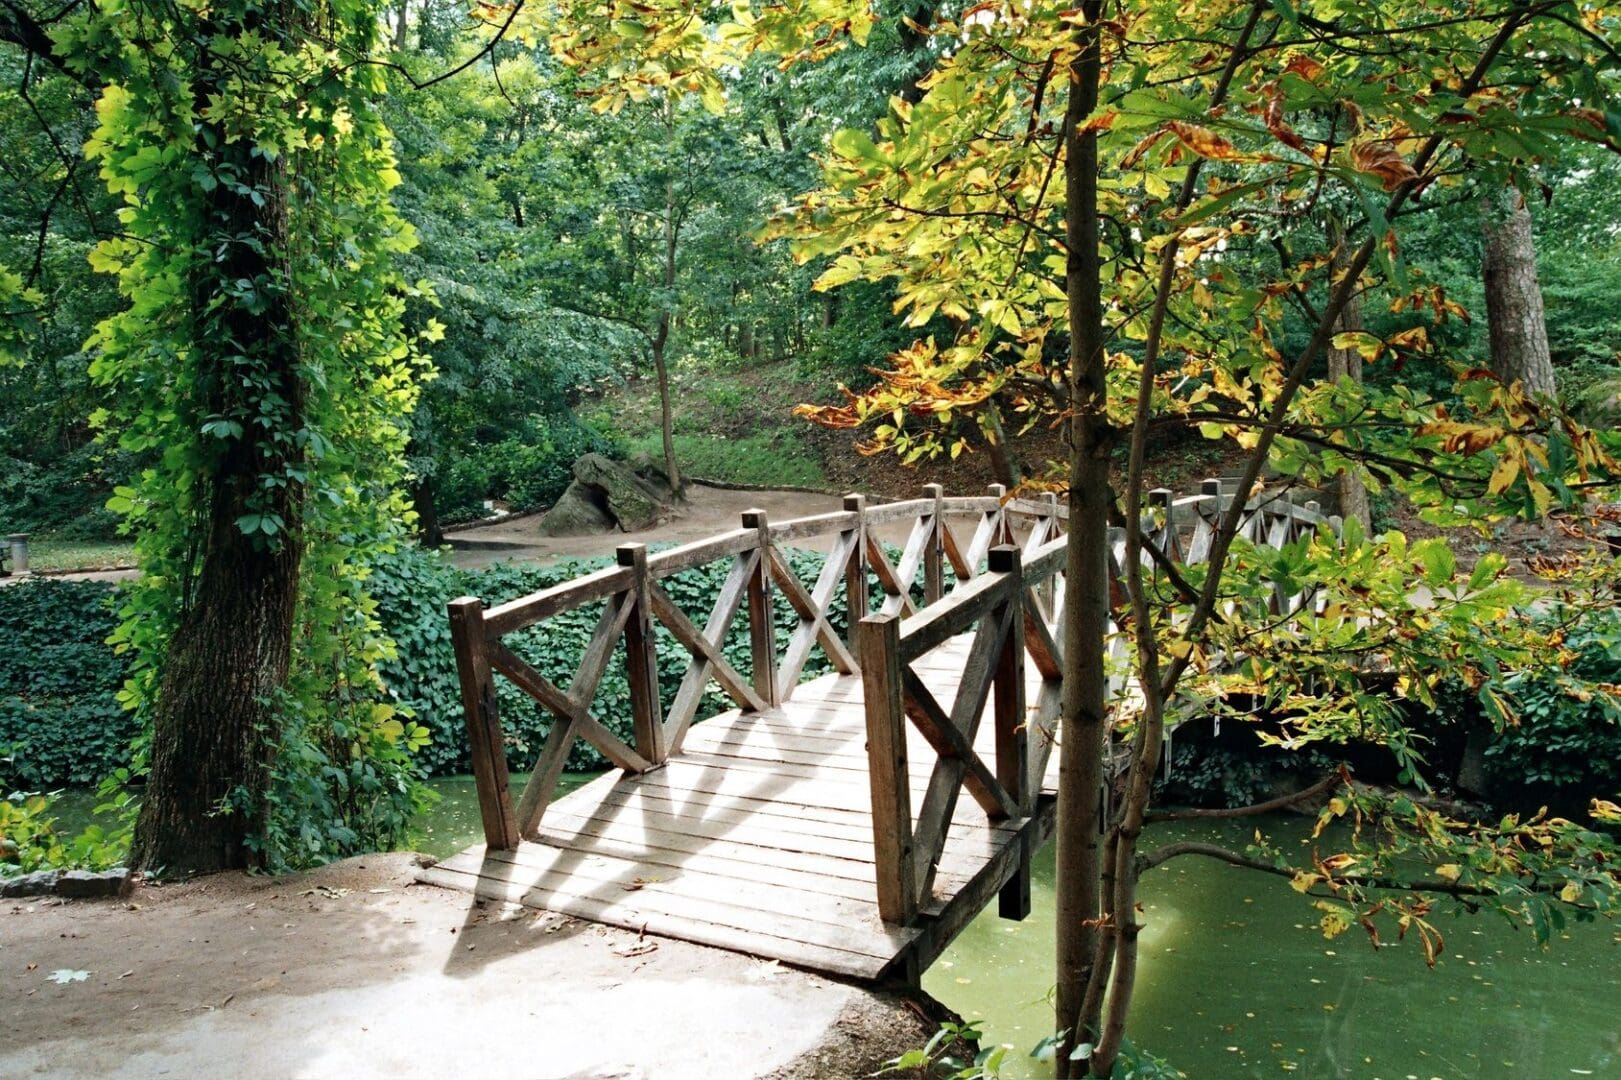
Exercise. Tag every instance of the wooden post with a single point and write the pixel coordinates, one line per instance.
(934, 584)
(1012, 735)
(855, 574)
(762, 620)
(1004, 532)
(642, 659)
(488, 750)
(886, 768)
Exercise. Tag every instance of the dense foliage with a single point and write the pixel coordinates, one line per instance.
(59, 684)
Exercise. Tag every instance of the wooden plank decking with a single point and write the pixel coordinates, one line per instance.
(758, 837)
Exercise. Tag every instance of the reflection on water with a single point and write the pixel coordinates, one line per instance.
(1237, 980)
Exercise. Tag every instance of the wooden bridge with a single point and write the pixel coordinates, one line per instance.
(819, 823)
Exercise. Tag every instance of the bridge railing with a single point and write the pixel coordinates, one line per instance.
(949, 557)
(633, 599)
(1014, 611)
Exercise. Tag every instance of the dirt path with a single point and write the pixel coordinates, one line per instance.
(355, 971)
(707, 511)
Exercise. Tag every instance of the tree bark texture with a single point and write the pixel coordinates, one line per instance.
(215, 720)
(1514, 313)
(1087, 579)
(1350, 493)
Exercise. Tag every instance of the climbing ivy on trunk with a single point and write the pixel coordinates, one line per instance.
(260, 363)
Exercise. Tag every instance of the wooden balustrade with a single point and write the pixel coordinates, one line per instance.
(1004, 585)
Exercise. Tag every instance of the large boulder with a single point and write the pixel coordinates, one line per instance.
(634, 503)
(580, 512)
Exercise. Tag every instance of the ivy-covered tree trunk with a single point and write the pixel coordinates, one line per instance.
(1514, 313)
(215, 717)
(1086, 581)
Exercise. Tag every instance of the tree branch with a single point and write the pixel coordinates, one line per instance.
(1326, 784)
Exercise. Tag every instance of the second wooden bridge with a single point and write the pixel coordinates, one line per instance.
(818, 823)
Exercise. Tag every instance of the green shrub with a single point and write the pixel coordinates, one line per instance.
(462, 490)
(1566, 747)
(528, 470)
(59, 683)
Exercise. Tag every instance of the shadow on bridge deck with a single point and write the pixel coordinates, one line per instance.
(758, 838)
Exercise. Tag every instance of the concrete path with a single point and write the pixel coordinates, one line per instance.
(354, 971)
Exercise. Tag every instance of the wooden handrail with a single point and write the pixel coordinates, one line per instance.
(943, 584)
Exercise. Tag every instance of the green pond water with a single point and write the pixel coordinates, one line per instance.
(1238, 981)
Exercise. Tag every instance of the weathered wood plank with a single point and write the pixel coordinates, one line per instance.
(683, 928)
(469, 635)
(939, 623)
(641, 660)
(703, 648)
(689, 695)
(527, 610)
(674, 560)
(562, 706)
(762, 630)
(886, 748)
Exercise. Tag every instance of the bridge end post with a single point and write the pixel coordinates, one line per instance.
(887, 774)
(487, 749)
(642, 659)
(762, 618)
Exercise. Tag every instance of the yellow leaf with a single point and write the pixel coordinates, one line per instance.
(1449, 871)
(1571, 893)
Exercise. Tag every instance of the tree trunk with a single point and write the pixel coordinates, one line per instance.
(215, 717)
(661, 335)
(426, 504)
(1350, 492)
(1004, 465)
(1086, 582)
(1514, 314)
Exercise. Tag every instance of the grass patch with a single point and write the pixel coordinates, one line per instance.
(770, 459)
(70, 555)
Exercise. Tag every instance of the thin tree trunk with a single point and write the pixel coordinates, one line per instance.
(1086, 582)
(1514, 313)
(401, 22)
(1349, 490)
(426, 504)
(1003, 464)
(215, 721)
(661, 336)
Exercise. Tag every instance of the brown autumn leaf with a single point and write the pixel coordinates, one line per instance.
(1304, 66)
(1459, 438)
(1381, 158)
(1204, 142)
(1145, 144)
(1100, 121)
(1276, 124)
